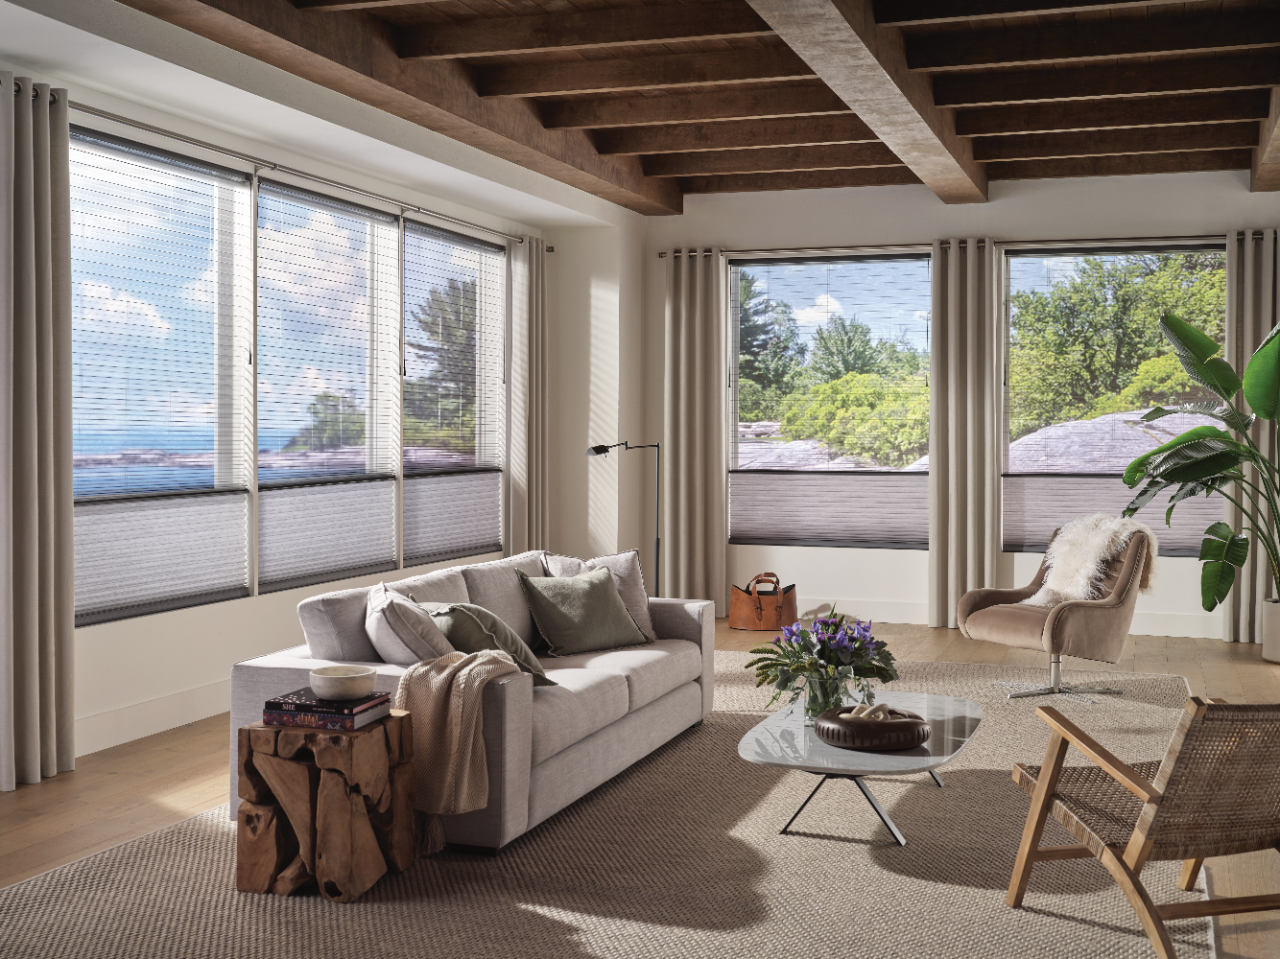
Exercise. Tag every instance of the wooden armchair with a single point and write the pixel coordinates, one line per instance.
(1216, 793)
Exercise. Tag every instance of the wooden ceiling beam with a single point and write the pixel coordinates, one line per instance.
(801, 98)
(1120, 80)
(340, 6)
(640, 73)
(719, 20)
(1265, 163)
(866, 66)
(1038, 146)
(902, 13)
(776, 160)
(1201, 161)
(1196, 108)
(734, 135)
(802, 180)
(1092, 40)
(353, 54)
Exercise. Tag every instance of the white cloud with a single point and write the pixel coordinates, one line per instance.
(824, 307)
(106, 310)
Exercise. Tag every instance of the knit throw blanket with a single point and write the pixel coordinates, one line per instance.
(444, 698)
(1078, 558)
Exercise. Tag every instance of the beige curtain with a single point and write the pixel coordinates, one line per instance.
(37, 602)
(1251, 313)
(694, 536)
(964, 435)
(525, 516)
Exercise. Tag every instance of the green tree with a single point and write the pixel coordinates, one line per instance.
(1087, 336)
(877, 419)
(841, 347)
(1160, 381)
(770, 352)
(440, 405)
(335, 421)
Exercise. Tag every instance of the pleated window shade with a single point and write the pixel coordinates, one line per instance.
(830, 395)
(315, 534)
(448, 515)
(1086, 360)
(162, 333)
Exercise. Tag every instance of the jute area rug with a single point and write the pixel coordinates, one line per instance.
(678, 856)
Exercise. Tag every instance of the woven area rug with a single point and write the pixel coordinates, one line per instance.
(678, 856)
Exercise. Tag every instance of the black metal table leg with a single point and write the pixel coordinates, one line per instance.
(784, 829)
(884, 816)
(936, 778)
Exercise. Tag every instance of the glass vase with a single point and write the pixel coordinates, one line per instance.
(821, 694)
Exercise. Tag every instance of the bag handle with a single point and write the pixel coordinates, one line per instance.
(752, 588)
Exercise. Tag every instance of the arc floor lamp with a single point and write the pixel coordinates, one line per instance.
(657, 512)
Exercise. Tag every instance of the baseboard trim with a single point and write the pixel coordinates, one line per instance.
(116, 726)
(1192, 625)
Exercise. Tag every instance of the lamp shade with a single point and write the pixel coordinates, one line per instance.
(598, 450)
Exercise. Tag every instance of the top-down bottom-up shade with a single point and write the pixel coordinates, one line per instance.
(887, 510)
(138, 556)
(313, 534)
(1036, 505)
(450, 515)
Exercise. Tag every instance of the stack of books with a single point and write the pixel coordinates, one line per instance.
(302, 707)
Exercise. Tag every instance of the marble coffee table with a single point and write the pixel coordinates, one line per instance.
(784, 740)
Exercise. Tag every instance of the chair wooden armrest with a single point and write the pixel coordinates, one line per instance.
(1121, 772)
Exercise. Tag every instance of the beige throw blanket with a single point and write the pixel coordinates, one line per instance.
(444, 698)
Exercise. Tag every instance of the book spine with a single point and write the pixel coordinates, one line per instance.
(281, 705)
(280, 717)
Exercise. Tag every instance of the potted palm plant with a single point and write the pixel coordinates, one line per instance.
(1208, 459)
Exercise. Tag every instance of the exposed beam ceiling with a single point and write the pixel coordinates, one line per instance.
(1094, 82)
(1106, 114)
(1265, 162)
(866, 66)
(1032, 146)
(643, 73)
(803, 98)
(609, 27)
(771, 160)
(802, 180)
(915, 12)
(735, 134)
(339, 6)
(1093, 40)
(1131, 165)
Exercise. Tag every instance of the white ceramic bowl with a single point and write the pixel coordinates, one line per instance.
(343, 682)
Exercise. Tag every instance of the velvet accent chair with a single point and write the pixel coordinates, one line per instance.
(1216, 793)
(1089, 629)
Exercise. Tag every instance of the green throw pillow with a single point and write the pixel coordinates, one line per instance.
(580, 614)
(470, 629)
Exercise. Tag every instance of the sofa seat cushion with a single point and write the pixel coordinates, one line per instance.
(1012, 624)
(650, 671)
(582, 702)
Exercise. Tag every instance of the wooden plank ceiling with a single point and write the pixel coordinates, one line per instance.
(644, 101)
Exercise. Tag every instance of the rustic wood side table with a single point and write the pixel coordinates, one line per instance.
(317, 804)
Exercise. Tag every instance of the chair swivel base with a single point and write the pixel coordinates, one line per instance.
(1056, 687)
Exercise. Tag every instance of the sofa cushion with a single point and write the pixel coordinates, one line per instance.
(495, 587)
(650, 671)
(333, 625)
(402, 631)
(582, 702)
(1013, 624)
(470, 629)
(442, 586)
(626, 573)
(580, 614)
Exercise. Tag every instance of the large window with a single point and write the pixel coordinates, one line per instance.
(204, 375)
(831, 400)
(1085, 360)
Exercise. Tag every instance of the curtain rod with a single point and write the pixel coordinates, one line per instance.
(819, 251)
(1008, 245)
(281, 168)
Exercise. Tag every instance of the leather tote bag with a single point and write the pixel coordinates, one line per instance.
(754, 608)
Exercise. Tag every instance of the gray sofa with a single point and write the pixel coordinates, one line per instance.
(545, 747)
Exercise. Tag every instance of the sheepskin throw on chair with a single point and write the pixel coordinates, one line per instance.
(1077, 558)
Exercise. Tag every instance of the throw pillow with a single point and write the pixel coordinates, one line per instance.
(626, 573)
(580, 614)
(402, 631)
(470, 628)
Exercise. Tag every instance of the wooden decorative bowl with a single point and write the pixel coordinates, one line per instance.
(904, 730)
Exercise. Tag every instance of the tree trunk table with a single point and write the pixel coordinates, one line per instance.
(325, 806)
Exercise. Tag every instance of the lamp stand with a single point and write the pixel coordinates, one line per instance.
(657, 514)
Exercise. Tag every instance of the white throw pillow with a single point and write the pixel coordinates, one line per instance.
(401, 631)
(626, 574)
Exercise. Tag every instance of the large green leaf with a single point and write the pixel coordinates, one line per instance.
(1219, 411)
(1202, 468)
(1149, 492)
(1195, 351)
(1136, 470)
(1262, 378)
(1216, 579)
(1234, 551)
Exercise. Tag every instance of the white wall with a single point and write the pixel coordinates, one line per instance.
(891, 584)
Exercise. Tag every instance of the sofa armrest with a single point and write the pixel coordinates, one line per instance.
(978, 599)
(695, 621)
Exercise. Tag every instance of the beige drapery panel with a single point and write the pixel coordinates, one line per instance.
(1251, 313)
(695, 470)
(37, 605)
(525, 515)
(964, 438)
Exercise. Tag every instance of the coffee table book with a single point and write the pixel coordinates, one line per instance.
(304, 700)
(303, 708)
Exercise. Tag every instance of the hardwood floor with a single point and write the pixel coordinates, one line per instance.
(128, 791)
